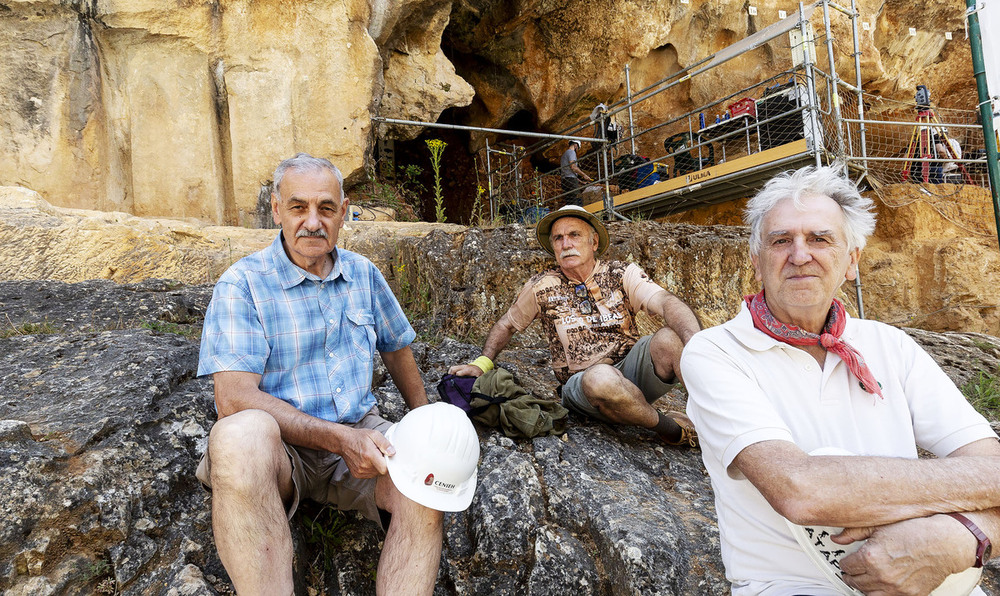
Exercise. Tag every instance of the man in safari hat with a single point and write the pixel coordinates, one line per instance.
(587, 308)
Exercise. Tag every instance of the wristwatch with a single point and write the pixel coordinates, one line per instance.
(984, 546)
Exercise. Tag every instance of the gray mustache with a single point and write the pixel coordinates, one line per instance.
(304, 233)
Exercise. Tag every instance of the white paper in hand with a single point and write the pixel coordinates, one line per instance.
(817, 543)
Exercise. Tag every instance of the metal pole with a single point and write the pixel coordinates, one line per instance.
(489, 180)
(516, 161)
(628, 94)
(857, 294)
(812, 110)
(609, 206)
(516, 133)
(857, 74)
(979, 68)
(841, 145)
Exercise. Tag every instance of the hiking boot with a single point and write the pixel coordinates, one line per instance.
(689, 436)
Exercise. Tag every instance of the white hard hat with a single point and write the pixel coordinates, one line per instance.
(437, 453)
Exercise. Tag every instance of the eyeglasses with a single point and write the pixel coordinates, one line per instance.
(586, 307)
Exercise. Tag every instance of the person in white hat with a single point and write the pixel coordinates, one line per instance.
(587, 309)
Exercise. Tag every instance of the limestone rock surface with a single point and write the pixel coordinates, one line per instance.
(176, 110)
(46, 242)
(918, 269)
(556, 60)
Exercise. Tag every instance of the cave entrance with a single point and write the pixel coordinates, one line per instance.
(469, 183)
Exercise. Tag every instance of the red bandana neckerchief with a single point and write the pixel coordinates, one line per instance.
(829, 338)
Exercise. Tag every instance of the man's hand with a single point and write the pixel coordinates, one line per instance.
(466, 370)
(908, 557)
(364, 451)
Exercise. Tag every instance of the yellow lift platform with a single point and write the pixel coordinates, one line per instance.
(722, 182)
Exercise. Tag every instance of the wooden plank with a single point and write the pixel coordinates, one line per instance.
(705, 175)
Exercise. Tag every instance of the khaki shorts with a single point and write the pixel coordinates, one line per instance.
(323, 477)
(636, 366)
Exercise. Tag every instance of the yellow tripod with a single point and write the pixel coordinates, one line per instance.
(921, 147)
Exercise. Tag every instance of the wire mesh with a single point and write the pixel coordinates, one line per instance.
(770, 114)
(929, 154)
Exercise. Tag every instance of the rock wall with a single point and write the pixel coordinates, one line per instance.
(183, 109)
(556, 60)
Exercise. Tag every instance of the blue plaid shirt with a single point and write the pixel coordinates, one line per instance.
(312, 340)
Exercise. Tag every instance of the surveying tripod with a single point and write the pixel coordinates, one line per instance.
(921, 146)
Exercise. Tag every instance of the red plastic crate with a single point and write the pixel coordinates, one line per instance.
(747, 105)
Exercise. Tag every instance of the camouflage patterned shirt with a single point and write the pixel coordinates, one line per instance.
(585, 323)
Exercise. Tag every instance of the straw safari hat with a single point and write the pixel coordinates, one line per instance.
(544, 227)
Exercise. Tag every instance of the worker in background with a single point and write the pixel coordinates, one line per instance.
(949, 171)
(571, 174)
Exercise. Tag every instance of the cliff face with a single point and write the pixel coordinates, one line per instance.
(558, 58)
(183, 109)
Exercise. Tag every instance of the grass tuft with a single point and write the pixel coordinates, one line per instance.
(983, 392)
(323, 531)
(27, 328)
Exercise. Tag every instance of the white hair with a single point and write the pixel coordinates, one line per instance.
(303, 162)
(832, 181)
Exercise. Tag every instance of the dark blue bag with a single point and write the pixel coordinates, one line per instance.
(458, 392)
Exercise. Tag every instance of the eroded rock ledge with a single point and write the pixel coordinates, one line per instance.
(918, 269)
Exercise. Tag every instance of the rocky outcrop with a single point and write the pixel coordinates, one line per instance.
(918, 270)
(102, 423)
(46, 242)
(102, 420)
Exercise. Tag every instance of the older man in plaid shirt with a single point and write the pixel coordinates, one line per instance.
(289, 339)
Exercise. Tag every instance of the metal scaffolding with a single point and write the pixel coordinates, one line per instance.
(804, 113)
